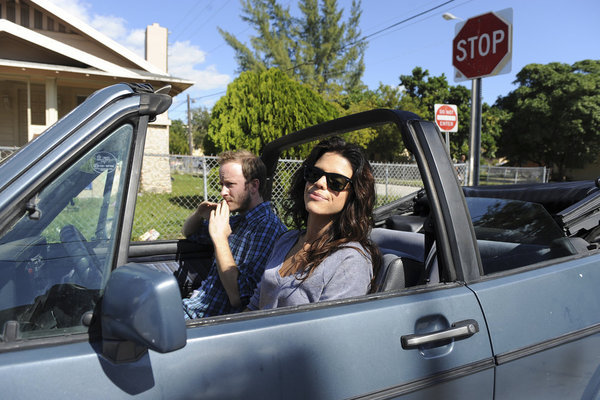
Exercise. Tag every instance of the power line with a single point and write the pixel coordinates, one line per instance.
(198, 98)
(203, 23)
(364, 38)
(176, 106)
(189, 13)
(400, 22)
(242, 31)
(223, 43)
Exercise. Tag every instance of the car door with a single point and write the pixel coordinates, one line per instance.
(413, 343)
(545, 330)
(355, 348)
(63, 208)
(541, 304)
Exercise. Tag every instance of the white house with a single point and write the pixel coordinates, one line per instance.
(50, 62)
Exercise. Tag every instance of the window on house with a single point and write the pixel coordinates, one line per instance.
(38, 19)
(24, 15)
(50, 23)
(10, 10)
(61, 28)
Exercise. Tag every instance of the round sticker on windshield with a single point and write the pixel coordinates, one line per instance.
(104, 161)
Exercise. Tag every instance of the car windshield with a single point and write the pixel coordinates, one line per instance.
(512, 234)
(512, 221)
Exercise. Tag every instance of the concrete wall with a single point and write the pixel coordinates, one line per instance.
(156, 174)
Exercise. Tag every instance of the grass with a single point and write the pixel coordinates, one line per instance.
(166, 212)
(81, 213)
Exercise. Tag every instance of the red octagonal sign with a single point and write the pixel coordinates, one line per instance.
(483, 46)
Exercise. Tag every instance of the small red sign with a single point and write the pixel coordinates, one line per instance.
(446, 117)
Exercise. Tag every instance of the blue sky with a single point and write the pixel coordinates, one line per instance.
(543, 31)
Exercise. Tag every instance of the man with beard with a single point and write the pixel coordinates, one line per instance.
(242, 243)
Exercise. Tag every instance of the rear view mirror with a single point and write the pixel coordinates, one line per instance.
(141, 310)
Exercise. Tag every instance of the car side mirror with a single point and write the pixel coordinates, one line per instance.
(141, 310)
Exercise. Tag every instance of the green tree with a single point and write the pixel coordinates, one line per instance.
(260, 107)
(388, 144)
(353, 102)
(318, 48)
(178, 138)
(554, 116)
(426, 91)
(200, 123)
(492, 121)
(382, 143)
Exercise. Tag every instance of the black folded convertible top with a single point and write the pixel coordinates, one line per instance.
(554, 196)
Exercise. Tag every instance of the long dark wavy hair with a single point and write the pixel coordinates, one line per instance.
(354, 222)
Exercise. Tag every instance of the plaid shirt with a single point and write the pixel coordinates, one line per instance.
(251, 241)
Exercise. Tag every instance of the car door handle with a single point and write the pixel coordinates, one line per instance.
(458, 330)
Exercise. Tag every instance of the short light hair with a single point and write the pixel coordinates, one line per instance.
(252, 166)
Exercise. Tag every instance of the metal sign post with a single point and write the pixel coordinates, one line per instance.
(475, 133)
(482, 47)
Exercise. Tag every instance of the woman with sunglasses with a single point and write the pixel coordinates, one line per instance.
(328, 255)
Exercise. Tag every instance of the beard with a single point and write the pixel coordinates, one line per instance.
(244, 203)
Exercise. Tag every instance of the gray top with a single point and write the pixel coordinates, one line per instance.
(345, 273)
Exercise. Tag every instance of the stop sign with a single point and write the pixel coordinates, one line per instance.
(446, 117)
(483, 45)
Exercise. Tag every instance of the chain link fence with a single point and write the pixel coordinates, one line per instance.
(195, 179)
(394, 181)
(493, 175)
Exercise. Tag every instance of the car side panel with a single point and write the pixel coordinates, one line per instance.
(73, 370)
(339, 351)
(569, 371)
(334, 352)
(467, 387)
(544, 326)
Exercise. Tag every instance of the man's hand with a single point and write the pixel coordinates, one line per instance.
(218, 224)
(205, 208)
(194, 222)
(219, 231)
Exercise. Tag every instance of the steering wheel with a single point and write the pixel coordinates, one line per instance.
(86, 266)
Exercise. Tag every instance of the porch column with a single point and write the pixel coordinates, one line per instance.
(29, 130)
(51, 101)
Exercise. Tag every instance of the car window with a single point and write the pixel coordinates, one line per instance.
(55, 260)
(512, 233)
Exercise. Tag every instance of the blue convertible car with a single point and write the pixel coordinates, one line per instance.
(485, 292)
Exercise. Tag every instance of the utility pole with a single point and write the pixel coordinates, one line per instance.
(189, 126)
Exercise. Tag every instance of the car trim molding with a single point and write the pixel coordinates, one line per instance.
(459, 372)
(59, 340)
(546, 345)
(350, 301)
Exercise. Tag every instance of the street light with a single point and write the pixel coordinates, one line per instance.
(449, 16)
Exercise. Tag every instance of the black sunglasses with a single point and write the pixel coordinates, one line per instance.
(335, 181)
